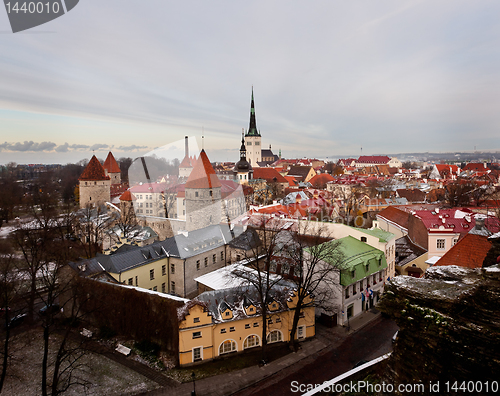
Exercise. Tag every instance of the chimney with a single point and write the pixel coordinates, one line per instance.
(479, 224)
(186, 146)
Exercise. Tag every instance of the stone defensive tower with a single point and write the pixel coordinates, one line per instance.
(112, 169)
(94, 184)
(203, 195)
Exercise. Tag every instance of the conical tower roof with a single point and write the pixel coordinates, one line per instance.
(203, 174)
(127, 196)
(252, 129)
(111, 165)
(94, 171)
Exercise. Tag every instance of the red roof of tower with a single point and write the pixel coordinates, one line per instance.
(203, 174)
(127, 196)
(94, 171)
(186, 163)
(111, 165)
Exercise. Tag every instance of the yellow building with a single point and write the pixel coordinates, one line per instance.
(225, 321)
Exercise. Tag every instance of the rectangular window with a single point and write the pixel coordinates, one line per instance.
(172, 287)
(231, 329)
(136, 281)
(278, 320)
(197, 334)
(347, 292)
(196, 354)
(130, 281)
(206, 261)
(440, 243)
(221, 256)
(164, 270)
(222, 331)
(163, 287)
(238, 257)
(196, 320)
(256, 324)
(214, 258)
(151, 274)
(301, 332)
(155, 288)
(197, 265)
(172, 268)
(247, 326)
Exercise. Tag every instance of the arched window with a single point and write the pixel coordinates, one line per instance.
(274, 336)
(251, 341)
(227, 346)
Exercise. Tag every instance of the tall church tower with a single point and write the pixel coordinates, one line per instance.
(243, 170)
(253, 139)
(203, 195)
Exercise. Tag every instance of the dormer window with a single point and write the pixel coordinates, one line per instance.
(227, 313)
(251, 309)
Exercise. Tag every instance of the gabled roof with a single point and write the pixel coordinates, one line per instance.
(469, 252)
(298, 170)
(396, 216)
(475, 167)
(414, 195)
(320, 180)
(110, 164)
(373, 159)
(268, 174)
(127, 196)
(203, 174)
(94, 171)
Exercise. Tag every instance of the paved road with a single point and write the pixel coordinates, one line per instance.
(370, 342)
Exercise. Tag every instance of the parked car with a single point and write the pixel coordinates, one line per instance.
(17, 320)
(52, 308)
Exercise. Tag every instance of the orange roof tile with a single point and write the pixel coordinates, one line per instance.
(111, 165)
(127, 196)
(319, 181)
(94, 171)
(203, 174)
(469, 252)
(268, 174)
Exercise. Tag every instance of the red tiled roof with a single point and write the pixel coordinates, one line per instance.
(110, 164)
(203, 174)
(477, 167)
(469, 252)
(373, 159)
(150, 188)
(292, 181)
(319, 181)
(396, 216)
(268, 174)
(127, 196)
(94, 171)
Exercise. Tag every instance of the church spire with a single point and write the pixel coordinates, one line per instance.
(252, 129)
(243, 150)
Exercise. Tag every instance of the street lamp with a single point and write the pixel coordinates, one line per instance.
(193, 392)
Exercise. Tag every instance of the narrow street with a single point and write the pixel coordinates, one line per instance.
(370, 342)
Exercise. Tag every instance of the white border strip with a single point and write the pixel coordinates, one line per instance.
(346, 375)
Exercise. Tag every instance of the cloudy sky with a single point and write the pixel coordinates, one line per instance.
(329, 78)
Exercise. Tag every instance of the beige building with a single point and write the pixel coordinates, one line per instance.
(221, 322)
(94, 185)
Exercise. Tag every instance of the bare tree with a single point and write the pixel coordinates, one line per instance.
(9, 293)
(260, 278)
(89, 224)
(315, 264)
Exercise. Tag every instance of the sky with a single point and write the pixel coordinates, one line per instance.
(330, 78)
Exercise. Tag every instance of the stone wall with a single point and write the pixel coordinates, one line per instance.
(202, 209)
(449, 325)
(94, 192)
